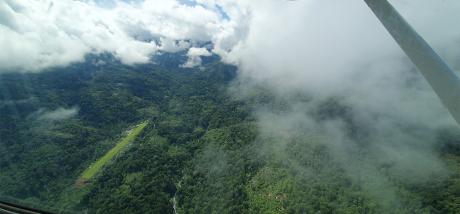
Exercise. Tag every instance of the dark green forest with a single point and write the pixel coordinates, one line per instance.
(201, 152)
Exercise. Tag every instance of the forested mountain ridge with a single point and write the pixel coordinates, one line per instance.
(201, 151)
(106, 98)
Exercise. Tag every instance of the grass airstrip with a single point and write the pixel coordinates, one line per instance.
(94, 168)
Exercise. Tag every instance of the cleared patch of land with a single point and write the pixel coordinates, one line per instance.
(94, 168)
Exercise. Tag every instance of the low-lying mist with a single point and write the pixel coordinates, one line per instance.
(336, 78)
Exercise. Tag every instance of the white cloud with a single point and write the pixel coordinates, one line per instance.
(172, 46)
(41, 34)
(57, 114)
(194, 57)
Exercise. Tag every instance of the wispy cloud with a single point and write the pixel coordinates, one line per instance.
(194, 57)
(56, 115)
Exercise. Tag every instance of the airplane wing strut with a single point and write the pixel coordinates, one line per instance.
(442, 79)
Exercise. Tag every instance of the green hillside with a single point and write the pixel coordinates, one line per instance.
(202, 150)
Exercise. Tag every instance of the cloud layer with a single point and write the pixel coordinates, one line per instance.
(40, 34)
(36, 35)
